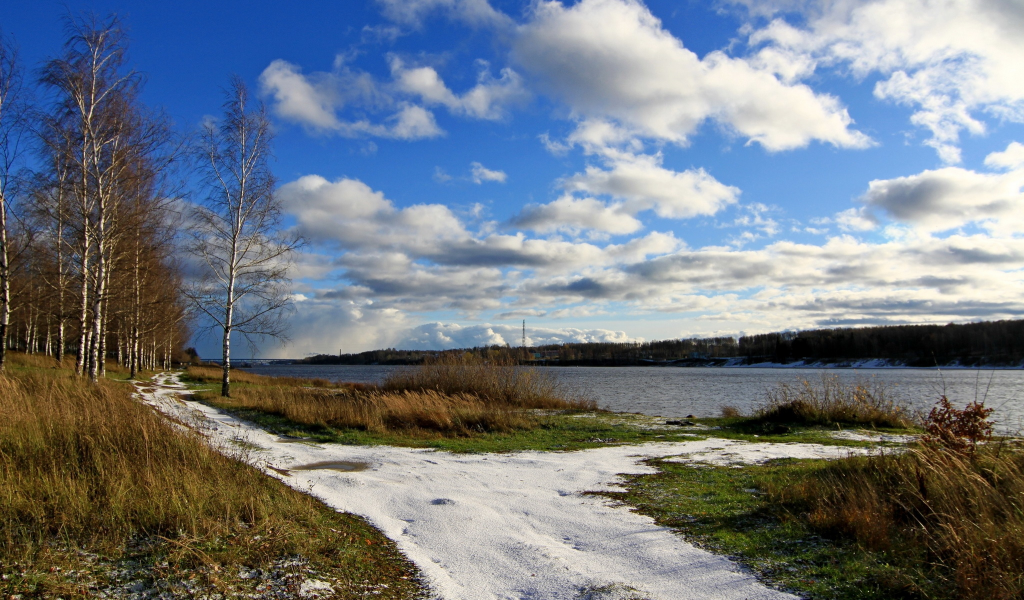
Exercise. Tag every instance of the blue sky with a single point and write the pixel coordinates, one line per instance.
(611, 169)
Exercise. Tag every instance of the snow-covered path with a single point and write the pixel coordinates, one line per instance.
(505, 526)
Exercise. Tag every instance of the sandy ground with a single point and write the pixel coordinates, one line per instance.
(505, 526)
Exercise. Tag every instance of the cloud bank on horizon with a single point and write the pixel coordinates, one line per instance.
(816, 164)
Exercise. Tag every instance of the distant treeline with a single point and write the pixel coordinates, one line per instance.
(989, 343)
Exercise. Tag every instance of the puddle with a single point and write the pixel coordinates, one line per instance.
(290, 439)
(333, 465)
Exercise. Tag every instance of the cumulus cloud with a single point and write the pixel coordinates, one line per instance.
(349, 214)
(438, 336)
(642, 183)
(488, 99)
(297, 98)
(313, 101)
(943, 199)
(961, 268)
(949, 59)
(574, 215)
(480, 174)
(612, 59)
(1011, 158)
(400, 264)
(327, 326)
(853, 219)
(634, 184)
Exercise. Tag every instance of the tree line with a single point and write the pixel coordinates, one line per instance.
(985, 343)
(98, 193)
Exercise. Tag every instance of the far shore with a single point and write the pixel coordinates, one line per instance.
(729, 363)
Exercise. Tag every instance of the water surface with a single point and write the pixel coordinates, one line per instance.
(675, 392)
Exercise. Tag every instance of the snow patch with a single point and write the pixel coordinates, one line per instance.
(871, 436)
(725, 453)
(509, 526)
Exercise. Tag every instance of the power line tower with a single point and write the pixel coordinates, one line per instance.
(524, 333)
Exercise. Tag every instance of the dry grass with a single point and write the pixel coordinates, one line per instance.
(213, 375)
(830, 402)
(955, 522)
(451, 396)
(411, 412)
(499, 381)
(87, 466)
(730, 412)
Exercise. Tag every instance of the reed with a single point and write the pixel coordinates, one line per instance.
(449, 396)
(954, 522)
(413, 412)
(830, 402)
(200, 374)
(499, 381)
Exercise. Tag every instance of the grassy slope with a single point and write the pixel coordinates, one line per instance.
(97, 491)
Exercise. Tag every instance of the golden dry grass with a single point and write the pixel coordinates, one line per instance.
(450, 396)
(831, 402)
(213, 375)
(88, 466)
(959, 519)
(376, 411)
(499, 381)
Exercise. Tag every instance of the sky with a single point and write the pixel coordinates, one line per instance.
(611, 170)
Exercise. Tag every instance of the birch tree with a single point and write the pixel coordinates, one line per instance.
(236, 232)
(115, 150)
(11, 132)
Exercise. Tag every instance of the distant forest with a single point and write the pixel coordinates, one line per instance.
(998, 343)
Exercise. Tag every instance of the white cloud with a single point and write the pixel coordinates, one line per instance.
(634, 184)
(853, 219)
(487, 100)
(350, 214)
(299, 99)
(612, 59)
(1011, 158)
(641, 183)
(411, 122)
(481, 174)
(402, 264)
(949, 59)
(313, 101)
(441, 176)
(438, 336)
(574, 215)
(951, 197)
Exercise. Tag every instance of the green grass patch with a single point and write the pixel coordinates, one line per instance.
(727, 510)
(551, 431)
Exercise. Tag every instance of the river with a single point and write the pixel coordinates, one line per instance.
(675, 392)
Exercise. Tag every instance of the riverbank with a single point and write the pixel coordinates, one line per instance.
(559, 503)
(695, 477)
(523, 524)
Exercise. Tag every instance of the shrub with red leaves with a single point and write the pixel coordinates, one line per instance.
(958, 430)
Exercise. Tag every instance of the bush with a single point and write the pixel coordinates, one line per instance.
(958, 430)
